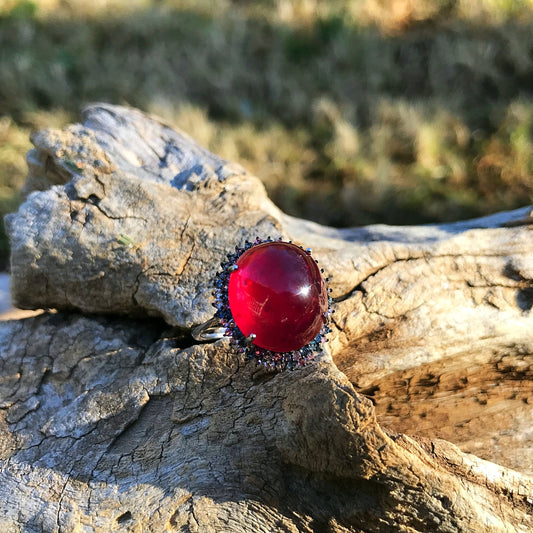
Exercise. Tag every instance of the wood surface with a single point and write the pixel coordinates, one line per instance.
(112, 418)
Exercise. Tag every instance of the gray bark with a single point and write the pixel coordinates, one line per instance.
(113, 418)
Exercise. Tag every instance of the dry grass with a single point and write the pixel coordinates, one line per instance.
(352, 112)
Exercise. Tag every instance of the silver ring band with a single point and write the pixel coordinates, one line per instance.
(209, 331)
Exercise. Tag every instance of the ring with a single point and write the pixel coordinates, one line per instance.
(272, 300)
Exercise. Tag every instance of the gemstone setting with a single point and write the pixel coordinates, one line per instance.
(273, 302)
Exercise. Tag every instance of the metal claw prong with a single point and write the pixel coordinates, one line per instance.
(233, 267)
(250, 338)
(308, 250)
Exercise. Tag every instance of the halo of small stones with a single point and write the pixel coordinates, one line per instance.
(268, 359)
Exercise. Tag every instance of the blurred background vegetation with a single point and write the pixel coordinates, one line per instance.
(351, 111)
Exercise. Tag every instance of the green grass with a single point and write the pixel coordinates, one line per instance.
(352, 112)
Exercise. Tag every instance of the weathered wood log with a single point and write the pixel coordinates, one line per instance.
(113, 418)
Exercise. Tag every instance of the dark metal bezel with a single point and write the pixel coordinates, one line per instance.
(269, 359)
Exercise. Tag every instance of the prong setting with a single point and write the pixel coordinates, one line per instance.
(245, 344)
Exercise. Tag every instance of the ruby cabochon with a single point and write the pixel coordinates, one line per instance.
(273, 301)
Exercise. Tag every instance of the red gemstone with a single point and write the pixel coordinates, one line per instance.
(278, 294)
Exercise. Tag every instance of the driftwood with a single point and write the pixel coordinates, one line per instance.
(113, 419)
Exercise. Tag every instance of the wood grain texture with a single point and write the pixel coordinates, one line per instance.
(112, 418)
